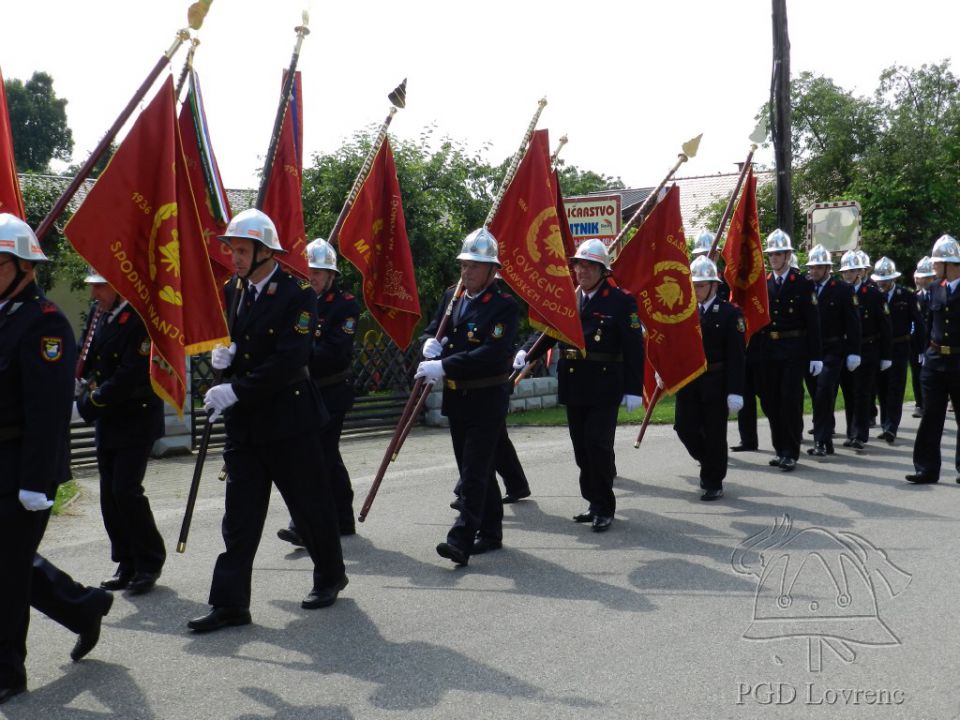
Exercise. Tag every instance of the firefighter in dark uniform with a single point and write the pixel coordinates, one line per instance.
(331, 360)
(117, 397)
(273, 414)
(904, 317)
(473, 364)
(38, 358)
(941, 362)
(859, 385)
(923, 278)
(840, 338)
(704, 404)
(789, 348)
(593, 386)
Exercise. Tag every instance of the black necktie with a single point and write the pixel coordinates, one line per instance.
(701, 310)
(779, 281)
(251, 296)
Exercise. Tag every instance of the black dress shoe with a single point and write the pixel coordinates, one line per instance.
(324, 597)
(712, 494)
(220, 617)
(849, 442)
(818, 450)
(11, 692)
(601, 523)
(887, 436)
(509, 499)
(788, 464)
(88, 638)
(119, 581)
(921, 479)
(143, 582)
(457, 504)
(482, 545)
(775, 462)
(918, 412)
(856, 444)
(452, 552)
(743, 448)
(291, 536)
(584, 517)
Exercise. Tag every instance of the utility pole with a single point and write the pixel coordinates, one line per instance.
(780, 116)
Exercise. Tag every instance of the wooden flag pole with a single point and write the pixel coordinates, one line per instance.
(654, 399)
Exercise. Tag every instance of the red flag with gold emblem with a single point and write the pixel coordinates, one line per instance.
(138, 228)
(743, 255)
(527, 227)
(210, 198)
(374, 238)
(283, 202)
(11, 201)
(654, 267)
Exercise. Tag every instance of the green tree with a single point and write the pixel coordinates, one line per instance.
(574, 181)
(38, 119)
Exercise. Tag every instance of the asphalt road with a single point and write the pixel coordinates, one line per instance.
(827, 592)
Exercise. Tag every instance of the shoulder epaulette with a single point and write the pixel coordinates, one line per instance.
(348, 295)
(48, 307)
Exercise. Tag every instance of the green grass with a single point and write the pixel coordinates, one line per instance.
(662, 413)
(64, 494)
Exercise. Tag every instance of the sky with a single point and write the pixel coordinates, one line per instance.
(628, 83)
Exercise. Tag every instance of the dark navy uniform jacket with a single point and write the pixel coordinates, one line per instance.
(613, 366)
(793, 333)
(921, 331)
(904, 317)
(839, 319)
(479, 350)
(723, 329)
(874, 323)
(331, 356)
(38, 358)
(276, 398)
(119, 398)
(944, 329)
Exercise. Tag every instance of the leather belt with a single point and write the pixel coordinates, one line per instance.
(476, 384)
(11, 432)
(574, 354)
(786, 334)
(944, 349)
(902, 339)
(328, 380)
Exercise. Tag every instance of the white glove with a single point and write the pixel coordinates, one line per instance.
(816, 367)
(77, 387)
(853, 362)
(218, 399)
(734, 403)
(920, 358)
(34, 501)
(520, 360)
(221, 356)
(430, 370)
(885, 365)
(633, 402)
(75, 414)
(433, 348)
(656, 376)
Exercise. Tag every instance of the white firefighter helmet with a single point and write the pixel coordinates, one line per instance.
(885, 269)
(924, 268)
(703, 269)
(703, 243)
(819, 255)
(17, 239)
(322, 256)
(778, 241)
(849, 261)
(94, 278)
(593, 250)
(794, 263)
(946, 249)
(864, 259)
(480, 246)
(253, 225)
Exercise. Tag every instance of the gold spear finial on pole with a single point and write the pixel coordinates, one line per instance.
(556, 153)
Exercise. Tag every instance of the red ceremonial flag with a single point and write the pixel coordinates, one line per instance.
(654, 267)
(527, 227)
(11, 201)
(374, 238)
(743, 255)
(210, 197)
(283, 202)
(138, 228)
